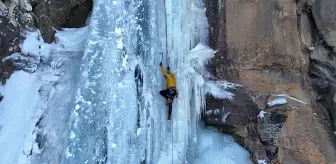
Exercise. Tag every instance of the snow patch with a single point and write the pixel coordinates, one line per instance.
(77, 107)
(34, 45)
(113, 145)
(67, 153)
(218, 89)
(262, 162)
(282, 99)
(261, 114)
(209, 112)
(19, 138)
(279, 100)
(225, 117)
(36, 149)
(18, 119)
(65, 40)
(72, 135)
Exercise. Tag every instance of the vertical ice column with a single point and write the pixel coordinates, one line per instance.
(187, 26)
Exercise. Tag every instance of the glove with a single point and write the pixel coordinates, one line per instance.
(176, 95)
(160, 63)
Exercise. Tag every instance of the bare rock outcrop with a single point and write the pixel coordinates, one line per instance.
(279, 47)
(323, 64)
(56, 14)
(15, 18)
(325, 19)
(233, 114)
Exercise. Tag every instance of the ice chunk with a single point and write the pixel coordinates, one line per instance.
(72, 135)
(214, 147)
(77, 107)
(139, 131)
(261, 114)
(120, 43)
(113, 145)
(36, 149)
(118, 30)
(67, 153)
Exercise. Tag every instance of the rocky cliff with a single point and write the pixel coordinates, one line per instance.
(271, 48)
(14, 20)
(19, 16)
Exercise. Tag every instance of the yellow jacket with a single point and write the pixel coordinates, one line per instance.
(170, 78)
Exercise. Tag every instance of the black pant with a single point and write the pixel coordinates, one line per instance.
(168, 93)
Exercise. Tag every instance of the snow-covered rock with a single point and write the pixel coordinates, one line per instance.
(237, 109)
(14, 20)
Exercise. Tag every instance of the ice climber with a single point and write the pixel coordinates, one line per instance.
(170, 93)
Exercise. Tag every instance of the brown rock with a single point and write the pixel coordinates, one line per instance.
(305, 140)
(325, 19)
(51, 14)
(269, 129)
(231, 115)
(60, 13)
(79, 14)
(267, 46)
(9, 37)
(12, 25)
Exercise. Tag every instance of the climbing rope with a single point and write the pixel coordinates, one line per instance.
(166, 31)
(172, 131)
(167, 61)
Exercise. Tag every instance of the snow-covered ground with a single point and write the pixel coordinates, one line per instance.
(35, 109)
(93, 96)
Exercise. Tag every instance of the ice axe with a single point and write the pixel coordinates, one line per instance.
(161, 56)
(162, 59)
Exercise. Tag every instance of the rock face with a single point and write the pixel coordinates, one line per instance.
(18, 16)
(56, 14)
(322, 57)
(325, 19)
(277, 47)
(14, 19)
(231, 115)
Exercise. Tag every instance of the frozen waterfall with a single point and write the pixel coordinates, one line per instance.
(95, 97)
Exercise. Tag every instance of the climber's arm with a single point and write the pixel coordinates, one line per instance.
(164, 72)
